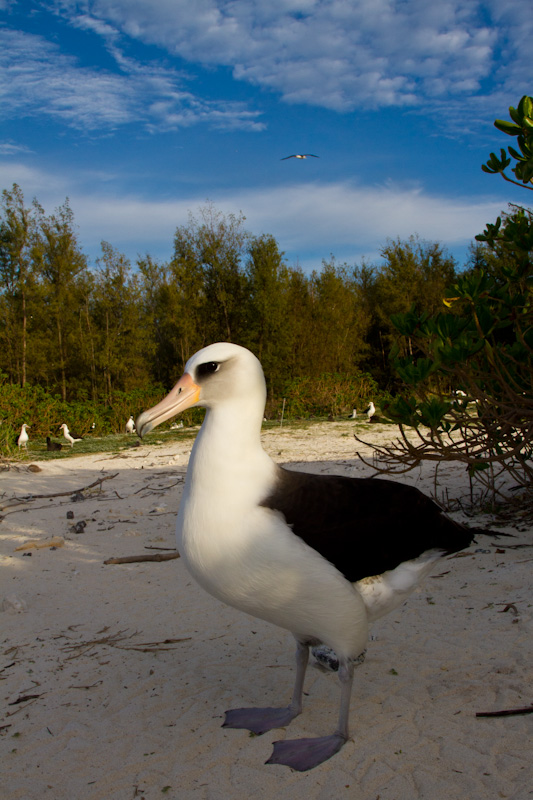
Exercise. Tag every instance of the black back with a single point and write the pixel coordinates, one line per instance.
(364, 526)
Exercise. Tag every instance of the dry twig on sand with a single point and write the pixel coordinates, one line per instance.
(111, 640)
(31, 497)
(508, 712)
(116, 640)
(144, 557)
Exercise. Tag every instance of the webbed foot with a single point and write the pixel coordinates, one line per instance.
(258, 720)
(304, 754)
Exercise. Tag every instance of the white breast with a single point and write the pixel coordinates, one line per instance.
(247, 557)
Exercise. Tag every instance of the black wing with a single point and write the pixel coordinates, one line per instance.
(364, 526)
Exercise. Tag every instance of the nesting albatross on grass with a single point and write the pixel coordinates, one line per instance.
(322, 556)
(23, 437)
(370, 410)
(70, 437)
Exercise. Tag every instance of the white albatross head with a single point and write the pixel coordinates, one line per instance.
(219, 374)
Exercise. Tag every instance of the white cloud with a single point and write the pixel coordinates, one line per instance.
(340, 54)
(101, 28)
(11, 149)
(351, 218)
(34, 182)
(309, 221)
(37, 79)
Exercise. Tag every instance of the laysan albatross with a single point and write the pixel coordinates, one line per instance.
(71, 438)
(23, 437)
(322, 556)
(370, 411)
(300, 156)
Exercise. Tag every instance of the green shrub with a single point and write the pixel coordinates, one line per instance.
(45, 412)
(329, 394)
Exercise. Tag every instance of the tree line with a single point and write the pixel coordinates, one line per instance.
(85, 332)
(480, 342)
(450, 351)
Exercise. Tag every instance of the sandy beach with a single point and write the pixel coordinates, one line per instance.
(115, 678)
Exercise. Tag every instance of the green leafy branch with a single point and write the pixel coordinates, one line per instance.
(468, 393)
(521, 127)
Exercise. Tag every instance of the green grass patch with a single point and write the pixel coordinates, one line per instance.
(121, 442)
(92, 445)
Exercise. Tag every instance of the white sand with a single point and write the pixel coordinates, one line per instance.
(115, 723)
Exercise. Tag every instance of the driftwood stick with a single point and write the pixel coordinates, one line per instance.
(507, 712)
(132, 559)
(155, 547)
(153, 647)
(24, 698)
(32, 497)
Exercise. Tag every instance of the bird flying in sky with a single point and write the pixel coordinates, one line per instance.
(300, 155)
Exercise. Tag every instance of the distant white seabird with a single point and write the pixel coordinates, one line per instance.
(23, 439)
(68, 436)
(299, 155)
(370, 411)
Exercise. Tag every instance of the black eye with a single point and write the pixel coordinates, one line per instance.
(207, 368)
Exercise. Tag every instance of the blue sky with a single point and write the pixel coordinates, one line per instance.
(141, 111)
